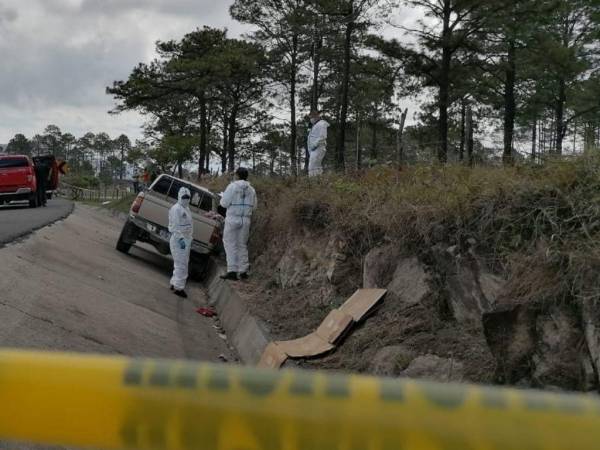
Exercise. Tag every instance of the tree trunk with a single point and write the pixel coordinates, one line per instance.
(469, 132)
(122, 163)
(358, 149)
(231, 139)
(399, 144)
(340, 146)
(225, 141)
(203, 136)
(316, 57)
(293, 130)
(509, 103)
(374, 141)
(180, 169)
(315, 94)
(533, 139)
(463, 113)
(444, 81)
(560, 119)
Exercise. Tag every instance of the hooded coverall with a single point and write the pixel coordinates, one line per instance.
(181, 227)
(240, 200)
(317, 147)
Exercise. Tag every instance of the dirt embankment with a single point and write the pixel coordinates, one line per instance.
(490, 273)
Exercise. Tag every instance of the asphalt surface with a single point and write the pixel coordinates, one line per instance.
(18, 220)
(66, 288)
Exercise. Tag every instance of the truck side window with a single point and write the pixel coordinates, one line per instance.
(174, 191)
(201, 200)
(162, 186)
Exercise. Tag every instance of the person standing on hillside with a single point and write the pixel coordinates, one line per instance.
(317, 143)
(240, 201)
(181, 227)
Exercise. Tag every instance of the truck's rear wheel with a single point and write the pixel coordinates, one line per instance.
(127, 237)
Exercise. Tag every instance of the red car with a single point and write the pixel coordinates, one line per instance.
(17, 180)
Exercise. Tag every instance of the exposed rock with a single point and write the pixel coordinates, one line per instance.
(434, 368)
(590, 315)
(510, 335)
(410, 282)
(391, 361)
(339, 269)
(290, 269)
(301, 264)
(588, 374)
(471, 289)
(557, 360)
(380, 265)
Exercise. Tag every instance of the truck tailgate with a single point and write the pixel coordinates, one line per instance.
(13, 178)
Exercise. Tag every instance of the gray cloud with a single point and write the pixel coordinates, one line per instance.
(7, 15)
(58, 56)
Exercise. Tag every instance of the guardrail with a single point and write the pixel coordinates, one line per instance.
(114, 402)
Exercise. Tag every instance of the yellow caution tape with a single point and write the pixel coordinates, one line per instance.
(108, 402)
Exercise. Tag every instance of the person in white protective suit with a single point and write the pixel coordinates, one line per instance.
(181, 227)
(317, 144)
(240, 200)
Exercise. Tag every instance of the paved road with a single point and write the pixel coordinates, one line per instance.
(67, 288)
(16, 221)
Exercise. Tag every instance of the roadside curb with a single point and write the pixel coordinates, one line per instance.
(243, 330)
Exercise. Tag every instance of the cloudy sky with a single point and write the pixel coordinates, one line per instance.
(58, 56)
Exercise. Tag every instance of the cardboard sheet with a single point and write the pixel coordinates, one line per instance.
(273, 357)
(361, 302)
(334, 325)
(311, 345)
(330, 330)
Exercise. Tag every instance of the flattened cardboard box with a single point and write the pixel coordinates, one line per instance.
(334, 325)
(273, 357)
(310, 345)
(361, 302)
(323, 339)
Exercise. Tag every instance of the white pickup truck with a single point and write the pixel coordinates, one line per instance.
(148, 220)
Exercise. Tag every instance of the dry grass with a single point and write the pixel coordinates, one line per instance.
(540, 226)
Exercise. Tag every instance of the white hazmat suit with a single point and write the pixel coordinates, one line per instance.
(240, 200)
(317, 147)
(181, 227)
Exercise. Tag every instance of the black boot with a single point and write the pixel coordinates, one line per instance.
(229, 276)
(244, 276)
(181, 294)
